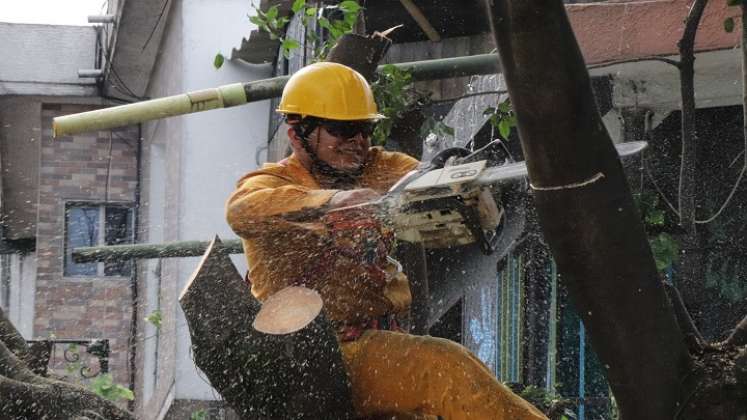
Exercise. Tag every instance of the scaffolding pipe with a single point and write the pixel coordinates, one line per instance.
(241, 93)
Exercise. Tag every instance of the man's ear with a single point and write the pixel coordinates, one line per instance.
(293, 137)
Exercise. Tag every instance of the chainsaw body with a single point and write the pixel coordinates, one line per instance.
(464, 197)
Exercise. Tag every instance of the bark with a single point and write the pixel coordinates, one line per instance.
(297, 375)
(586, 209)
(689, 275)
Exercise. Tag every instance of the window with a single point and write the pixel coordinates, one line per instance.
(5, 282)
(97, 225)
(510, 313)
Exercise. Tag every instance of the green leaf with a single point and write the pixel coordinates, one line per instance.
(729, 24)
(504, 128)
(125, 393)
(349, 6)
(272, 13)
(256, 20)
(104, 386)
(298, 5)
(335, 32)
(655, 217)
(488, 111)
(324, 23)
(218, 61)
(155, 318)
(290, 44)
(199, 415)
(311, 11)
(665, 250)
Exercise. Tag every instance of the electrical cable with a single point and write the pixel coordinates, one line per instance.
(158, 21)
(656, 186)
(107, 54)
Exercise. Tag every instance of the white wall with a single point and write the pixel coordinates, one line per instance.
(20, 311)
(44, 59)
(192, 164)
(218, 147)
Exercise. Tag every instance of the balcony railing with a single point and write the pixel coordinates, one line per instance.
(73, 355)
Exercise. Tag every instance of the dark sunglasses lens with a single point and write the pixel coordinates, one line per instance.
(348, 130)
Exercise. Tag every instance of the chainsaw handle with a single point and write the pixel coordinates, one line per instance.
(443, 156)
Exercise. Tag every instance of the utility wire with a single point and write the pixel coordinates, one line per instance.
(158, 21)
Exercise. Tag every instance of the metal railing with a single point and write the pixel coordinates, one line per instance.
(71, 358)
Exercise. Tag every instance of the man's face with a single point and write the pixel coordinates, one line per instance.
(342, 144)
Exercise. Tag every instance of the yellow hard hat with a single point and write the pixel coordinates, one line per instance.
(331, 91)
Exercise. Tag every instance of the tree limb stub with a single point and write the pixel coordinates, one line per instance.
(288, 311)
(594, 232)
(361, 53)
(294, 372)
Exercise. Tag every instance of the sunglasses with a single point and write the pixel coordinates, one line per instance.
(349, 129)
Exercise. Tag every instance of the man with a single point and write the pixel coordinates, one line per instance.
(285, 214)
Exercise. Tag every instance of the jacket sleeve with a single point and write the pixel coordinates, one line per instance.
(401, 163)
(264, 201)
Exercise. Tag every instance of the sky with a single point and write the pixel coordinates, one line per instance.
(53, 12)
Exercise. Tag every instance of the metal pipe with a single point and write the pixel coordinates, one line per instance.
(101, 18)
(242, 93)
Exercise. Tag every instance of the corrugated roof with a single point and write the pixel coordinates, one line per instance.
(259, 48)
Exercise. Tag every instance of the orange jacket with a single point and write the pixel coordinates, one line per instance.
(283, 248)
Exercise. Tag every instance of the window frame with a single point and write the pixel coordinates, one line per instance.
(100, 239)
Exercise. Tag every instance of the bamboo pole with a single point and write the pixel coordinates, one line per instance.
(146, 251)
(241, 93)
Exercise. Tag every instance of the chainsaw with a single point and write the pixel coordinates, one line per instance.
(463, 197)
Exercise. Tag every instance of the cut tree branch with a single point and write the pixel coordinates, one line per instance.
(738, 337)
(689, 155)
(669, 61)
(695, 340)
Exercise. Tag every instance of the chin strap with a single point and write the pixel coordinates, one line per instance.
(303, 130)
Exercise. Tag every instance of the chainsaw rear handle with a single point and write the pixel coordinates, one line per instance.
(443, 156)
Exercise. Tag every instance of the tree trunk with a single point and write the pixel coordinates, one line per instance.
(26, 395)
(586, 209)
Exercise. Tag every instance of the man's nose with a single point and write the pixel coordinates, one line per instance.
(357, 138)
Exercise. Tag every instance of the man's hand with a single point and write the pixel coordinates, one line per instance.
(353, 197)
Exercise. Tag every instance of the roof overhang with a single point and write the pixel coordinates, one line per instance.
(134, 46)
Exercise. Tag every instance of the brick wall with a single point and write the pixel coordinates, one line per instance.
(75, 168)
